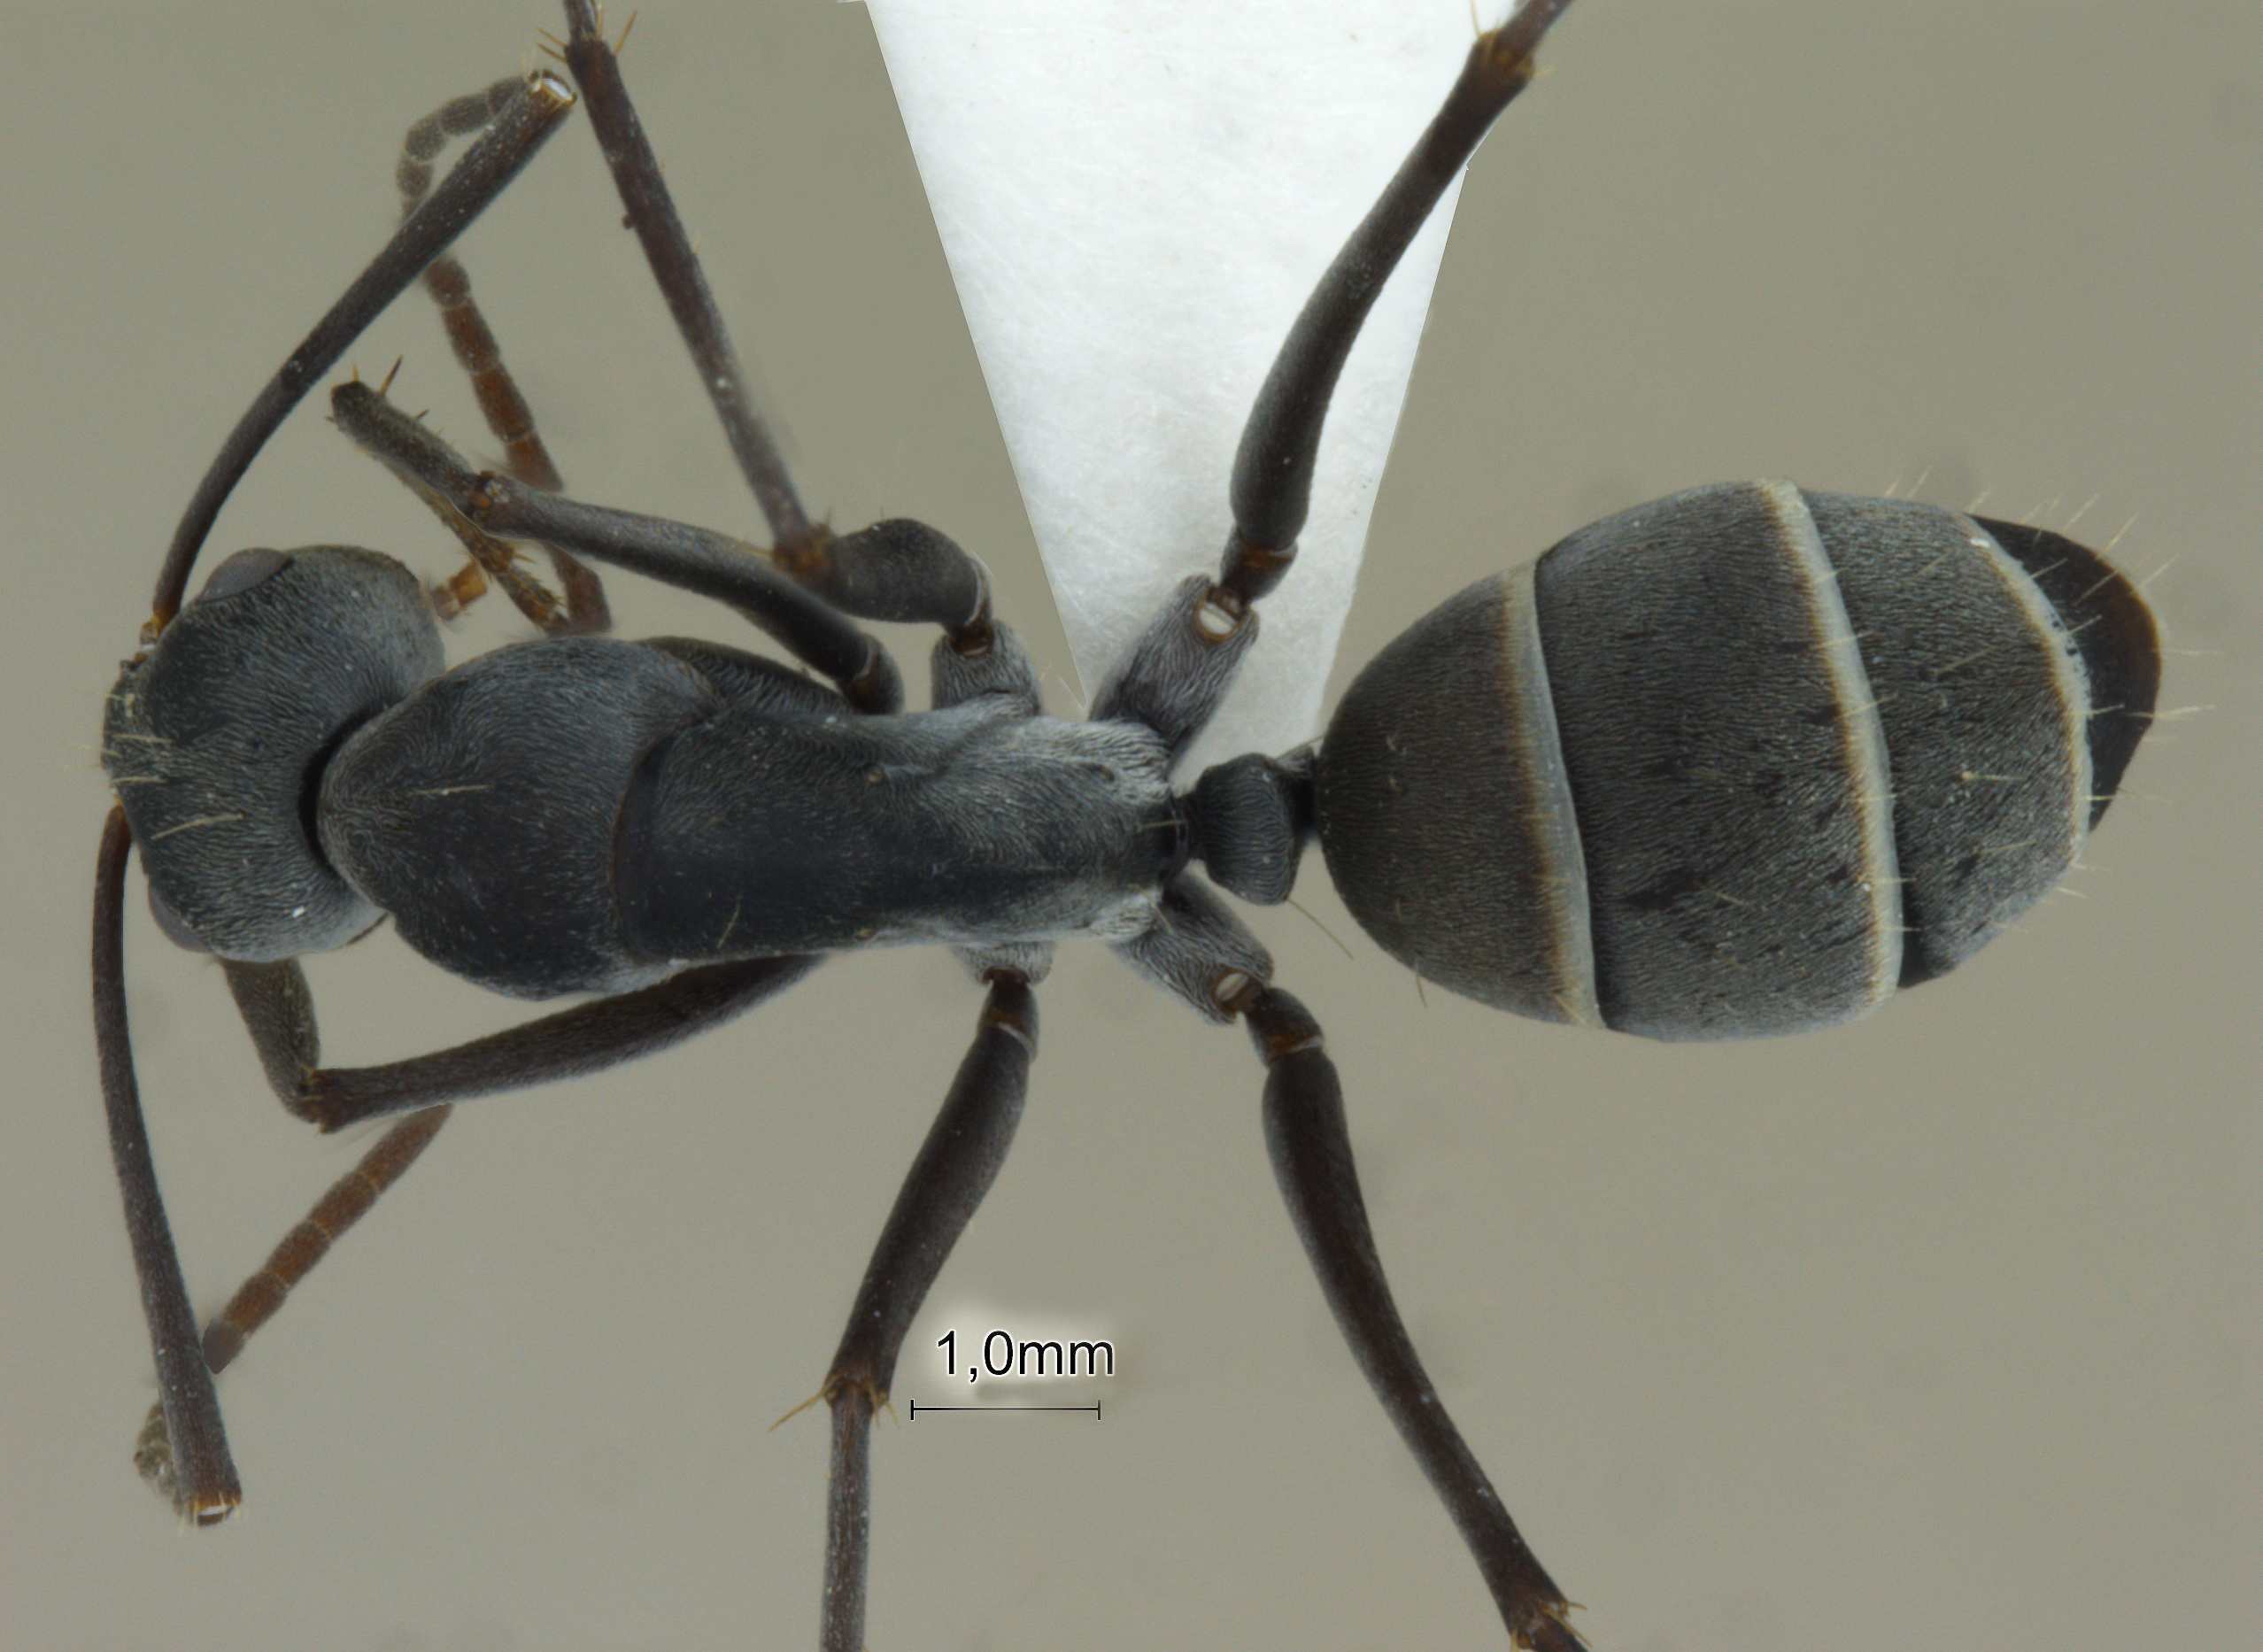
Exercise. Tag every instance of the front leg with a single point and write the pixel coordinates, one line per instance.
(205, 1488)
(513, 135)
(257, 1300)
(186, 1460)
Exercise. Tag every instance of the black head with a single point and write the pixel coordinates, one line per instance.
(216, 740)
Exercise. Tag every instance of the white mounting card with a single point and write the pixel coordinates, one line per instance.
(1136, 199)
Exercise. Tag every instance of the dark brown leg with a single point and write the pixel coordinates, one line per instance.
(278, 1012)
(541, 102)
(696, 559)
(587, 1038)
(955, 1167)
(1312, 1159)
(1272, 470)
(652, 214)
(1175, 674)
(900, 571)
(207, 1489)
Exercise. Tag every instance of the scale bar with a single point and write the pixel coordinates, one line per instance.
(1093, 1408)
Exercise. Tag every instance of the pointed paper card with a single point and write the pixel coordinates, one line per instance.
(1135, 198)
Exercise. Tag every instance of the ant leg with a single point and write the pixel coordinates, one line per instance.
(1202, 952)
(1312, 1159)
(698, 560)
(350, 1198)
(587, 1038)
(1197, 948)
(204, 1488)
(508, 417)
(676, 267)
(1002, 668)
(257, 1298)
(955, 1167)
(898, 570)
(1272, 469)
(1174, 674)
(585, 614)
(477, 353)
(278, 1012)
(1177, 671)
(543, 100)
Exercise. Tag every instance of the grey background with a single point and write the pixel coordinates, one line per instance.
(1941, 1328)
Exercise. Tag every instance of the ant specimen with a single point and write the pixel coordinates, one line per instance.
(293, 762)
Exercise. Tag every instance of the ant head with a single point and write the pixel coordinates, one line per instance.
(217, 737)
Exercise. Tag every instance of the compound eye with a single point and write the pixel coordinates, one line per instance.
(174, 926)
(241, 572)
